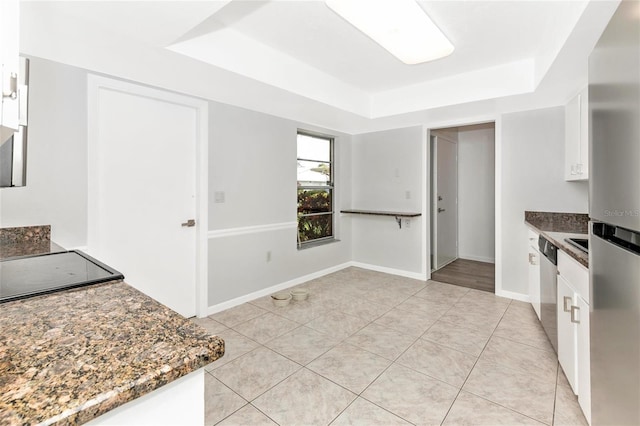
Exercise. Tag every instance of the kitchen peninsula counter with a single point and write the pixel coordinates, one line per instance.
(71, 356)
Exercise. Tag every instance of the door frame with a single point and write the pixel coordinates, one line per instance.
(426, 207)
(95, 83)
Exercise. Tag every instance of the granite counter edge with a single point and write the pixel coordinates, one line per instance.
(103, 404)
(192, 359)
(574, 253)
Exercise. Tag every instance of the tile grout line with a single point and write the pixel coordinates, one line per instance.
(509, 368)
(474, 366)
(394, 362)
(234, 392)
(289, 359)
(359, 395)
(555, 393)
(376, 378)
(343, 340)
(277, 353)
(265, 414)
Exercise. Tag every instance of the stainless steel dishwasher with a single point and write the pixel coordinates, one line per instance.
(549, 289)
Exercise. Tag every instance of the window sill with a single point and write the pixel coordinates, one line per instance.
(317, 243)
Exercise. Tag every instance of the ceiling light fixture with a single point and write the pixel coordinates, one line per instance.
(400, 26)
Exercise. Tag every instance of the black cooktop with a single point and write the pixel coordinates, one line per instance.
(28, 276)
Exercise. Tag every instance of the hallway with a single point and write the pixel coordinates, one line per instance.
(468, 273)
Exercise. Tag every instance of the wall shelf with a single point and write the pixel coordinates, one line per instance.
(397, 215)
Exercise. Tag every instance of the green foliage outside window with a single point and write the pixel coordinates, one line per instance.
(315, 187)
(314, 201)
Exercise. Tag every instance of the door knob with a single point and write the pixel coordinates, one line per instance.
(189, 223)
(440, 209)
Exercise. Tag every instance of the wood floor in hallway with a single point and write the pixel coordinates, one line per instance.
(467, 273)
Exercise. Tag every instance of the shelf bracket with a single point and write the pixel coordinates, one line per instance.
(399, 220)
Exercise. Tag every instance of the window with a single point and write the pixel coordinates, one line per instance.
(315, 188)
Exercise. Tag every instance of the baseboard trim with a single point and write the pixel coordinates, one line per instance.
(512, 295)
(275, 288)
(392, 271)
(231, 232)
(478, 258)
(299, 280)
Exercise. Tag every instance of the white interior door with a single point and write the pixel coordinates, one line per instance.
(143, 189)
(444, 190)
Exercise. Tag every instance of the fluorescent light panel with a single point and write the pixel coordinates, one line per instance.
(400, 26)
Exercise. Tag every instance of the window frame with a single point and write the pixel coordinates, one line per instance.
(330, 187)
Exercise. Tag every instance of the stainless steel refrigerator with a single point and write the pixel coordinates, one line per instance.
(614, 208)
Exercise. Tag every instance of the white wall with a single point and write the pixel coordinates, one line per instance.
(476, 192)
(252, 158)
(532, 179)
(385, 166)
(244, 143)
(56, 191)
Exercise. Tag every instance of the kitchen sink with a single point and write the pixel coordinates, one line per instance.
(579, 243)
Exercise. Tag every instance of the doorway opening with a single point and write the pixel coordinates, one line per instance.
(462, 204)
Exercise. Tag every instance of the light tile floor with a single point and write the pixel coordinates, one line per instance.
(369, 348)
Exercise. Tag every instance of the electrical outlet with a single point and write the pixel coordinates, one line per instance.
(218, 196)
(407, 194)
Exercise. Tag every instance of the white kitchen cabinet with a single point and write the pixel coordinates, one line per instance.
(576, 160)
(573, 328)
(10, 57)
(534, 272)
(567, 333)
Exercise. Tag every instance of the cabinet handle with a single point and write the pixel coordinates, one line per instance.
(13, 87)
(575, 309)
(570, 308)
(532, 259)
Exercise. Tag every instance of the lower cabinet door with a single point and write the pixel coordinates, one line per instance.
(584, 358)
(567, 333)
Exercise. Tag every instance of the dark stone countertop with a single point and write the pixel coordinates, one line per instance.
(558, 226)
(27, 240)
(68, 357)
(17, 249)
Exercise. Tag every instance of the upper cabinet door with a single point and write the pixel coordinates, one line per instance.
(9, 55)
(576, 160)
(584, 134)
